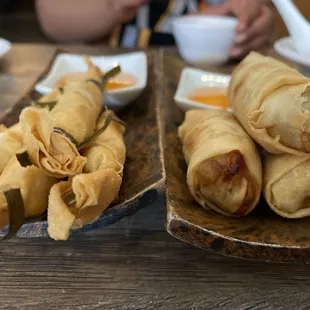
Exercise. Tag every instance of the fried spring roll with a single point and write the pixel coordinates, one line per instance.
(76, 113)
(272, 102)
(54, 95)
(94, 189)
(287, 184)
(11, 141)
(33, 183)
(224, 167)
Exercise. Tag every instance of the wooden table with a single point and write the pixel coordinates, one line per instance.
(133, 264)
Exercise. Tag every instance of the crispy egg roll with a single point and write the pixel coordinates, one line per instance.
(287, 184)
(34, 185)
(69, 77)
(76, 113)
(224, 168)
(11, 141)
(272, 102)
(94, 189)
(54, 95)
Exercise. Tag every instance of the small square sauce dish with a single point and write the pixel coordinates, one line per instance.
(120, 91)
(198, 89)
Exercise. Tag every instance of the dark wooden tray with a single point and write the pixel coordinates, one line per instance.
(262, 235)
(144, 176)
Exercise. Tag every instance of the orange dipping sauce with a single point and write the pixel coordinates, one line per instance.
(211, 96)
(122, 80)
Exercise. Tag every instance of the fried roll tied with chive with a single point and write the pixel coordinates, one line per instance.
(33, 183)
(51, 138)
(82, 199)
(11, 141)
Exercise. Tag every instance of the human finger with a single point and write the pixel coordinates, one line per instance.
(239, 51)
(262, 25)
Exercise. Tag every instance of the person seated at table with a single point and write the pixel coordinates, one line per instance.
(140, 23)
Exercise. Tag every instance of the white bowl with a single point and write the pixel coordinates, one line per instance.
(5, 46)
(204, 40)
(195, 78)
(116, 99)
(286, 49)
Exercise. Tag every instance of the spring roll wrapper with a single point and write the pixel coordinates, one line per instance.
(95, 189)
(11, 141)
(76, 112)
(54, 95)
(272, 102)
(224, 168)
(34, 185)
(287, 185)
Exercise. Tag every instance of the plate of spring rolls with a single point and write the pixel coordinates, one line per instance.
(238, 183)
(70, 164)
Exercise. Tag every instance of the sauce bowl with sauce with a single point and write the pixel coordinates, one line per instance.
(199, 89)
(119, 91)
(122, 80)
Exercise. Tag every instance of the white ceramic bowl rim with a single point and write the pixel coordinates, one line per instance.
(286, 49)
(205, 21)
(43, 86)
(5, 46)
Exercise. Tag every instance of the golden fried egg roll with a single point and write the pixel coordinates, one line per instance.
(54, 95)
(287, 184)
(11, 141)
(94, 189)
(272, 102)
(33, 183)
(224, 168)
(76, 113)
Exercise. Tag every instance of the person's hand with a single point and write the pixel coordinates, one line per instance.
(127, 9)
(255, 29)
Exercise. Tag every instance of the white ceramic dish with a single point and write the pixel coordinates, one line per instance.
(285, 48)
(5, 46)
(116, 99)
(195, 78)
(203, 40)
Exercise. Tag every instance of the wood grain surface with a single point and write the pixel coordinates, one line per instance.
(134, 264)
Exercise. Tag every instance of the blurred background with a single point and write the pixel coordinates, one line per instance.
(18, 21)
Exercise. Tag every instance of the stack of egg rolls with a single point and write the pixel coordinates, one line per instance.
(76, 179)
(83, 198)
(272, 102)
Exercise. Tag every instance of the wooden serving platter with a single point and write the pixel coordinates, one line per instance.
(262, 235)
(144, 175)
